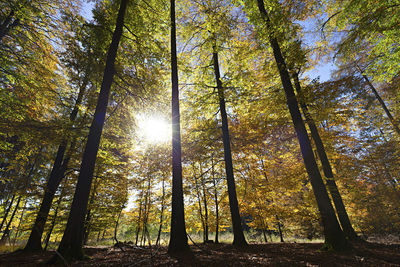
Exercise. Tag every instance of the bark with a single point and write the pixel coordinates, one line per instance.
(200, 208)
(326, 166)
(280, 229)
(385, 108)
(6, 232)
(178, 237)
(334, 236)
(116, 226)
(86, 229)
(57, 173)
(19, 223)
(161, 214)
(7, 211)
(53, 222)
(238, 236)
(34, 241)
(205, 213)
(215, 202)
(71, 244)
(139, 222)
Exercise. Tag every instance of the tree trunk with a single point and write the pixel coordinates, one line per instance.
(56, 175)
(334, 236)
(215, 202)
(53, 222)
(7, 211)
(162, 213)
(280, 229)
(388, 114)
(205, 207)
(178, 238)
(330, 179)
(200, 208)
(71, 244)
(19, 223)
(238, 236)
(6, 232)
(116, 226)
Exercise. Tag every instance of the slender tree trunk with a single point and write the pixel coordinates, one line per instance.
(53, 222)
(205, 207)
(7, 230)
(19, 223)
(34, 242)
(116, 226)
(178, 238)
(161, 214)
(385, 108)
(71, 244)
(86, 229)
(330, 179)
(57, 173)
(238, 236)
(280, 229)
(334, 236)
(139, 223)
(215, 202)
(7, 211)
(200, 208)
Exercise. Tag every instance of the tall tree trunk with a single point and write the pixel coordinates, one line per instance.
(215, 201)
(116, 225)
(381, 102)
(334, 236)
(53, 222)
(205, 214)
(199, 202)
(7, 211)
(19, 223)
(57, 173)
(178, 238)
(161, 214)
(86, 229)
(6, 232)
(280, 229)
(238, 236)
(326, 166)
(71, 244)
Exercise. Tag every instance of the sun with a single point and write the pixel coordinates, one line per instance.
(154, 129)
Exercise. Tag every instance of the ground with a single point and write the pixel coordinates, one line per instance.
(270, 254)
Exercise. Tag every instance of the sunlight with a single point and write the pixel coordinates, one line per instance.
(154, 129)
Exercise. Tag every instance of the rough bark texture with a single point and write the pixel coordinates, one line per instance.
(330, 179)
(72, 241)
(238, 236)
(178, 236)
(334, 236)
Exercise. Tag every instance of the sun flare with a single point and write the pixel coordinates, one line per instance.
(154, 129)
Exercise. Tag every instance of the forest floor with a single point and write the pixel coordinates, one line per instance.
(270, 254)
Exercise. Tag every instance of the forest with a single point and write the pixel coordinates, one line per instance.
(200, 132)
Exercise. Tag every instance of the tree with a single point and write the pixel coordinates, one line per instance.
(72, 241)
(334, 237)
(178, 237)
